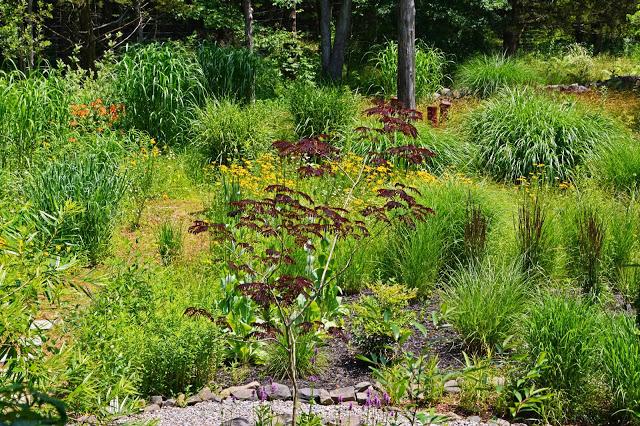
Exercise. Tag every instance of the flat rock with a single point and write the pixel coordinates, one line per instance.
(238, 421)
(193, 400)
(41, 324)
(205, 394)
(346, 420)
(88, 420)
(228, 391)
(362, 386)
(474, 419)
(499, 422)
(450, 383)
(345, 394)
(169, 403)
(156, 399)
(277, 391)
(152, 408)
(321, 396)
(245, 394)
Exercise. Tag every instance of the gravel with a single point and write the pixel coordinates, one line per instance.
(214, 413)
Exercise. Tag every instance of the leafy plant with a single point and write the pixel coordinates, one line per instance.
(485, 75)
(588, 251)
(519, 129)
(533, 234)
(92, 183)
(526, 400)
(319, 110)
(311, 359)
(141, 173)
(484, 303)
(380, 321)
(169, 242)
(160, 85)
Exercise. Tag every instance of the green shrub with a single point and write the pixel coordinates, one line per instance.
(485, 75)
(533, 234)
(380, 321)
(564, 328)
(419, 257)
(520, 129)
(224, 131)
(93, 185)
(484, 303)
(310, 358)
(33, 109)
(621, 365)
(160, 85)
(178, 355)
(618, 164)
(229, 73)
(169, 242)
(430, 71)
(317, 110)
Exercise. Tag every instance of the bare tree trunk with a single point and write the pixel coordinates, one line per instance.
(325, 34)
(248, 23)
(339, 50)
(407, 53)
(293, 371)
(140, 29)
(513, 28)
(88, 51)
(293, 17)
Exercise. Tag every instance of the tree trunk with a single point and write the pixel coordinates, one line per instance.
(339, 50)
(140, 29)
(513, 27)
(293, 18)
(88, 51)
(293, 371)
(248, 23)
(407, 53)
(325, 34)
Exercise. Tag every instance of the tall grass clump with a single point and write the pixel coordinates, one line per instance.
(229, 72)
(225, 131)
(33, 109)
(430, 70)
(621, 364)
(321, 109)
(160, 85)
(418, 257)
(520, 129)
(564, 327)
(484, 303)
(485, 75)
(90, 186)
(618, 165)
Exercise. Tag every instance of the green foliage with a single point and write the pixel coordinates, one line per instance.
(430, 70)
(523, 398)
(229, 73)
(380, 321)
(484, 303)
(520, 129)
(224, 131)
(316, 110)
(169, 242)
(618, 164)
(485, 75)
(89, 183)
(533, 237)
(586, 250)
(564, 328)
(311, 359)
(33, 110)
(160, 85)
(293, 57)
(417, 257)
(621, 363)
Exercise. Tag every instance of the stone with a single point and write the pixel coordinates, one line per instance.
(193, 400)
(362, 397)
(156, 399)
(283, 419)
(500, 422)
(446, 92)
(474, 419)
(450, 383)
(205, 394)
(246, 394)
(362, 386)
(41, 324)
(151, 408)
(169, 403)
(346, 420)
(453, 416)
(238, 421)
(277, 391)
(228, 391)
(318, 395)
(498, 381)
(457, 94)
(452, 389)
(346, 394)
(88, 420)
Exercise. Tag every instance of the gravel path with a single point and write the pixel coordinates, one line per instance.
(211, 413)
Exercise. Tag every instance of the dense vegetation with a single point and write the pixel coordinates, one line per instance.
(180, 214)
